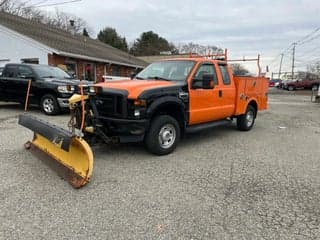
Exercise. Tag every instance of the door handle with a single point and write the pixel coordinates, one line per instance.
(220, 93)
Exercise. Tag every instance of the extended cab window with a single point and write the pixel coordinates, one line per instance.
(225, 74)
(24, 71)
(10, 71)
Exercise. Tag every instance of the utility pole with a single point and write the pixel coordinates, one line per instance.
(293, 53)
(280, 65)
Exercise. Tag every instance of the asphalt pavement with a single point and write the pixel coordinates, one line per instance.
(218, 184)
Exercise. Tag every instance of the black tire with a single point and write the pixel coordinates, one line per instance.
(49, 105)
(169, 128)
(291, 88)
(246, 121)
(315, 87)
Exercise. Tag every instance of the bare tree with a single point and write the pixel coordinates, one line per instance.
(63, 21)
(21, 9)
(239, 70)
(57, 19)
(3, 2)
(191, 47)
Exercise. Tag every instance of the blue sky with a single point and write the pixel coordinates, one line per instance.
(245, 27)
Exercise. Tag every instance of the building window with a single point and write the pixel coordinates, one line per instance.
(72, 68)
(30, 60)
(115, 71)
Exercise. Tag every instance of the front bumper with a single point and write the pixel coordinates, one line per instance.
(63, 102)
(127, 130)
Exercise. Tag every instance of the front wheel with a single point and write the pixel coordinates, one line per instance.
(49, 104)
(163, 135)
(246, 121)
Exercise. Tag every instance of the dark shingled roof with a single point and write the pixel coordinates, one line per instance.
(66, 43)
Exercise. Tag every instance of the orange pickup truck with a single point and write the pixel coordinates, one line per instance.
(169, 98)
(157, 106)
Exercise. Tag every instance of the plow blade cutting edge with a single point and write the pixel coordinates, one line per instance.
(70, 156)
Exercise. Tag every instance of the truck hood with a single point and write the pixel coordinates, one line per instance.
(57, 81)
(135, 87)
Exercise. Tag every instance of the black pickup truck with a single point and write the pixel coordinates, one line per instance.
(51, 87)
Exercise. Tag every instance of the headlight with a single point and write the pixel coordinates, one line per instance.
(137, 113)
(137, 108)
(66, 89)
(92, 89)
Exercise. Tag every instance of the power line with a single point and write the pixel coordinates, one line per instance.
(40, 2)
(309, 40)
(311, 51)
(52, 4)
(301, 41)
(59, 3)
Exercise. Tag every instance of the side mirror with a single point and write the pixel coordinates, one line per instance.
(207, 81)
(132, 76)
(27, 77)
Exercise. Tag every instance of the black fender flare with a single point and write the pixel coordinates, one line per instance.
(168, 100)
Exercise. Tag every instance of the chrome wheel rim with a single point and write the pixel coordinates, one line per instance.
(48, 105)
(249, 118)
(167, 136)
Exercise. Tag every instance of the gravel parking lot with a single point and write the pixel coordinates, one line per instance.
(218, 184)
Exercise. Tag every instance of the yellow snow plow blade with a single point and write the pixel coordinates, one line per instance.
(70, 156)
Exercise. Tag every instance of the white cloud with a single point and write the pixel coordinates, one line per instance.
(244, 27)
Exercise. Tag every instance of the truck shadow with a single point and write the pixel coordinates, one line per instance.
(188, 141)
(19, 108)
(206, 135)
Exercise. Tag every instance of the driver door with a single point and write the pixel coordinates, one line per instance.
(204, 104)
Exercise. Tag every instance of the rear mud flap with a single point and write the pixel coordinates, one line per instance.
(70, 156)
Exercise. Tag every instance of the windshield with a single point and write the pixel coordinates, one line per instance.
(173, 70)
(50, 72)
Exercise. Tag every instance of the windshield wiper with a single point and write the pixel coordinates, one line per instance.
(140, 78)
(159, 78)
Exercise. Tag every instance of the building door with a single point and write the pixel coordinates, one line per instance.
(89, 72)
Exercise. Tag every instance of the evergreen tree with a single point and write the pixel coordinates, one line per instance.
(150, 44)
(110, 36)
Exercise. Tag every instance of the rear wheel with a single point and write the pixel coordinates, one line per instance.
(246, 121)
(163, 135)
(49, 105)
(290, 88)
(315, 87)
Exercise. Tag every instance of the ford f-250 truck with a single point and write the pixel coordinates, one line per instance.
(51, 87)
(162, 102)
(170, 98)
